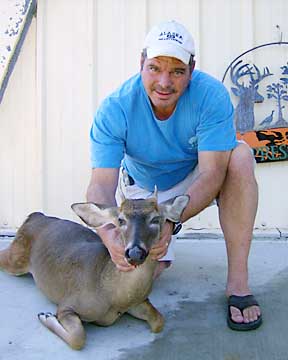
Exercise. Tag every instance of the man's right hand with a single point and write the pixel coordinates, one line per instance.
(101, 190)
(111, 239)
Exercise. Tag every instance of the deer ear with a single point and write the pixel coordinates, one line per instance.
(172, 209)
(96, 215)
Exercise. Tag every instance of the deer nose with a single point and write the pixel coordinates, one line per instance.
(135, 255)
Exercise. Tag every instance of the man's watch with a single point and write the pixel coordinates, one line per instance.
(177, 226)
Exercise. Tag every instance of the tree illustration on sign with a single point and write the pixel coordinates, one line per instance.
(278, 91)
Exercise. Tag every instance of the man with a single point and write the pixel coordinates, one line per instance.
(172, 126)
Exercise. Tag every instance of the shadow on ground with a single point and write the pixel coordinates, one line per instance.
(198, 330)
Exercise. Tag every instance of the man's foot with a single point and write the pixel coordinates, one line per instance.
(243, 313)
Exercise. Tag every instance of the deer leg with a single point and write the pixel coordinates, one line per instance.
(15, 259)
(146, 311)
(67, 325)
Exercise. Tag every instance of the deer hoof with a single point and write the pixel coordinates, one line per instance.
(158, 324)
(43, 317)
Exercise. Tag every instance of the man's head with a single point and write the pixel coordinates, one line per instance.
(170, 39)
(167, 63)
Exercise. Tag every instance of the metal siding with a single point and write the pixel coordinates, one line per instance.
(66, 62)
(120, 28)
(269, 14)
(230, 33)
(84, 51)
(19, 162)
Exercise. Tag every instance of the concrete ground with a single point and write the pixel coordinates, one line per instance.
(191, 297)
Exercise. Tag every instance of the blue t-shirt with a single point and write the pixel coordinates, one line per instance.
(156, 152)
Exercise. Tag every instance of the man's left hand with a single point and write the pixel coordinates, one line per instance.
(160, 249)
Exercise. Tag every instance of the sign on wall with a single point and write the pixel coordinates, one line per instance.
(15, 18)
(258, 83)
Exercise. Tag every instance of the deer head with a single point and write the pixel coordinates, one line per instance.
(239, 71)
(139, 221)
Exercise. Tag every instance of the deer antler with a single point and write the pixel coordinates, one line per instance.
(236, 75)
(155, 194)
(259, 77)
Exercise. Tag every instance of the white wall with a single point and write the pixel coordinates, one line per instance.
(20, 140)
(76, 53)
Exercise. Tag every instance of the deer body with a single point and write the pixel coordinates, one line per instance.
(72, 267)
(90, 271)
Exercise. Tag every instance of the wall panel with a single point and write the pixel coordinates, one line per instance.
(66, 110)
(118, 42)
(75, 54)
(20, 191)
(226, 31)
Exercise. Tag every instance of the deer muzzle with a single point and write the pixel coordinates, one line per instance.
(136, 255)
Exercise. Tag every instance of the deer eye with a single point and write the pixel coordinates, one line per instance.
(121, 221)
(155, 220)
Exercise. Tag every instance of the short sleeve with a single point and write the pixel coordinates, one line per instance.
(107, 136)
(216, 130)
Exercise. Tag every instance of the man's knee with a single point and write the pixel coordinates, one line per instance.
(242, 160)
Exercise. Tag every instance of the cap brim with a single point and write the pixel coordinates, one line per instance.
(171, 51)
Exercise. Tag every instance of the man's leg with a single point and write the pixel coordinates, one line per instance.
(238, 202)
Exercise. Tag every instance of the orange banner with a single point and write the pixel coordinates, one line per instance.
(268, 145)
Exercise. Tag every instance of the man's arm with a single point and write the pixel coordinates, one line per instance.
(101, 190)
(102, 186)
(205, 188)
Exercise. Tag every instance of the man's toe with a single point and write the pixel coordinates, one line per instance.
(236, 315)
(251, 314)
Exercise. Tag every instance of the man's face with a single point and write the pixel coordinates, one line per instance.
(165, 79)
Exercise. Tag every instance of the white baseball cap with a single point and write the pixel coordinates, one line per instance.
(170, 39)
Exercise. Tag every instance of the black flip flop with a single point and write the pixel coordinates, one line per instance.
(241, 303)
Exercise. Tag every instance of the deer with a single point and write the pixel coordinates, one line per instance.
(72, 267)
(248, 94)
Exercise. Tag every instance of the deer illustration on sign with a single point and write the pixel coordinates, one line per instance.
(264, 126)
(248, 93)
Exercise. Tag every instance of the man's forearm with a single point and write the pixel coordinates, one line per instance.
(102, 186)
(100, 195)
(202, 192)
